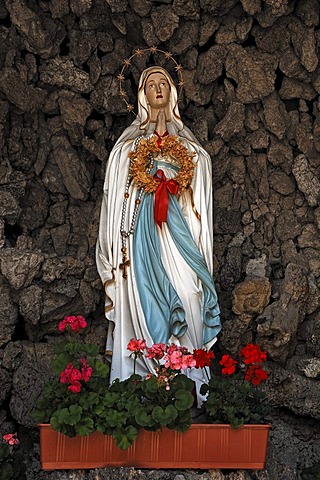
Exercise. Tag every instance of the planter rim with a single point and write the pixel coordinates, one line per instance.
(193, 425)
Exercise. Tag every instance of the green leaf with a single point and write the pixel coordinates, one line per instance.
(184, 400)
(115, 418)
(89, 400)
(85, 426)
(144, 419)
(100, 369)
(164, 416)
(68, 416)
(125, 438)
(6, 471)
(110, 399)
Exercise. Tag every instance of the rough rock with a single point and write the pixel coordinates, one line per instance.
(24, 96)
(63, 73)
(208, 26)
(8, 313)
(309, 237)
(287, 227)
(282, 183)
(34, 362)
(257, 267)
(273, 39)
(280, 155)
(74, 112)
(290, 65)
(217, 7)
(40, 33)
(292, 88)
(304, 44)
(274, 115)
(251, 296)
(232, 122)
(30, 304)
(185, 37)
(310, 367)
(277, 325)
(75, 175)
(308, 12)
(20, 267)
(293, 391)
(165, 22)
(9, 207)
(210, 64)
(255, 79)
(307, 182)
(199, 94)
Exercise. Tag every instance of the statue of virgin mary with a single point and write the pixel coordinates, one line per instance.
(155, 255)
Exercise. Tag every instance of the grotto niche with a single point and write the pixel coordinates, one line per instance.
(251, 97)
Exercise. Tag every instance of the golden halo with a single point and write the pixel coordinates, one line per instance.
(127, 62)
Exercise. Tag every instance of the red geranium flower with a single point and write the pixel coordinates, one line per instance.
(86, 370)
(229, 364)
(252, 354)
(73, 323)
(203, 357)
(75, 387)
(255, 374)
(136, 345)
(70, 374)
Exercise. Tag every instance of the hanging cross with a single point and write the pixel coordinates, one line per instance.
(124, 265)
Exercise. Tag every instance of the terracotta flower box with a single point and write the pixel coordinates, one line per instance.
(201, 447)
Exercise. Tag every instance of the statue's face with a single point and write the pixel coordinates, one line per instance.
(157, 90)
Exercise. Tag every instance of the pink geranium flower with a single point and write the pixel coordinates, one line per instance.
(11, 439)
(157, 351)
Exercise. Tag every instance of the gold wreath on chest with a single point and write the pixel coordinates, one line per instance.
(170, 146)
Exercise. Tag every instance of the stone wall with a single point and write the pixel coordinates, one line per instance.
(251, 89)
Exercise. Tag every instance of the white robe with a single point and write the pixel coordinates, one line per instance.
(123, 306)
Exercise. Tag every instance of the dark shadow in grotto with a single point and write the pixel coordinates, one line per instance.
(85, 95)
(100, 53)
(279, 79)
(249, 42)
(64, 47)
(220, 80)
(209, 43)
(11, 233)
(20, 330)
(291, 104)
(310, 104)
(260, 150)
(23, 53)
(85, 67)
(6, 22)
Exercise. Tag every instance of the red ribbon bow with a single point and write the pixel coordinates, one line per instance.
(161, 198)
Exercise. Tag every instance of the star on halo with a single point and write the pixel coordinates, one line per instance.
(120, 77)
(168, 55)
(130, 107)
(138, 52)
(153, 49)
(126, 62)
(178, 68)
